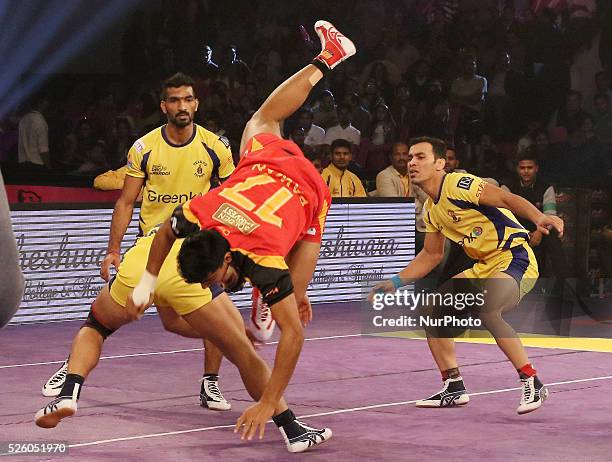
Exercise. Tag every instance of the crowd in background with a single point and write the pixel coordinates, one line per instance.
(491, 77)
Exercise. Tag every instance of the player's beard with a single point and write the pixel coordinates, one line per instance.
(180, 123)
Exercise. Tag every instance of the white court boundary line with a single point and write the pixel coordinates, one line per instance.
(169, 352)
(338, 411)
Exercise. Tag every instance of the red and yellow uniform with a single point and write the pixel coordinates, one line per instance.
(274, 198)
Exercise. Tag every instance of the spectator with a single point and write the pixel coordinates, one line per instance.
(382, 130)
(404, 111)
(340, 181)
(315, 135)
(77, 144)
(571, 113)
(360, 117)
(95, 162)
(207, 69)
(324, 113)
(234, 72)
(394, 180)
(298, 137)
(528, 185)
(344, 129)
(603, 123)
(419, 81)
(601, 104)
(120, 142)
(452, 161)
(33, 142)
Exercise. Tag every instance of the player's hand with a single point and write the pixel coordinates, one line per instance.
(305, 311)
(254, 418)
(381, 287)
(112, 258)
(135, 308)
(546, 222)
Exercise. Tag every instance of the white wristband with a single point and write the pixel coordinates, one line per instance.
(144, 289)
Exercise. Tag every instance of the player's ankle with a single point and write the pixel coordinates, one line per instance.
(72, 387)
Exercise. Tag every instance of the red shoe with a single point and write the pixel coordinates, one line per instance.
(261, 318)
(335, 46)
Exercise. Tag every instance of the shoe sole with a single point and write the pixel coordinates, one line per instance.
(527, 411)
(328, 436)
(348, 46)
(204, 404)
(51, 420)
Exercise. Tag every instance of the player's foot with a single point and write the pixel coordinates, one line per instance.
(453, 394)
(56, 381)
(335, 46)
(211, 397)
(534, 395)
(306, 437)
(261, 318)
(50, 415)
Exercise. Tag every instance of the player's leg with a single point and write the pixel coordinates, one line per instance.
(220, 322)
(291, 94)
(105, 317)
(442, 347)
(503, 293)
(210, 395)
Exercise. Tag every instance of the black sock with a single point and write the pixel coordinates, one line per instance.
(321, 66)
(73, 381)
(211, 376)
(286, 421)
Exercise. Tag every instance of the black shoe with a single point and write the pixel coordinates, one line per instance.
(453, 394)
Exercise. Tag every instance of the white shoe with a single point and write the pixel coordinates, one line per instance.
(50, 415)
(309, 438)
(335, 46)
(56, 381)
(533, 396)
(211, 397)
(262, 322)
(453, 394)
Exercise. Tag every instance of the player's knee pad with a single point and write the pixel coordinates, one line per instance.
(93, 323)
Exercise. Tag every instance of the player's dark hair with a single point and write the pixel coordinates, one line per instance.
(529, 153)
(438, 146)
(175, 81)
(201, 253)
(341, 143)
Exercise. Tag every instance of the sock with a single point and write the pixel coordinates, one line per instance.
(213, 377)
(526, 371)
(320, 64)
(452, 373)
(72, 387)
(287, 421)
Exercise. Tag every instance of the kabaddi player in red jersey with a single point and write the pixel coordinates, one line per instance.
(263, 224)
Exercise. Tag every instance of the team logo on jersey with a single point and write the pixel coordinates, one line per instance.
(158, 169)
(474, 234)
(235, 218)
(465, 182)
(139, 146)
(453, 215)
(200, 168)
(225, 141)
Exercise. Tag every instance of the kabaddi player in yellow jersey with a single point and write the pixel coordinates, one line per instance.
(479, 217)
(174, 163)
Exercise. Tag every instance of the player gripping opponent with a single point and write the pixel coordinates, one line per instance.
(264, 224)
(479, 217)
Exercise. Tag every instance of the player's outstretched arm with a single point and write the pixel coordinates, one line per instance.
(425, 261)
(497, 197)
(141, 297)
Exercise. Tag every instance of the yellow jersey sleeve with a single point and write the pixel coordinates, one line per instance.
(465, 187)
(134, 160)
(430, 227)
(226, 161)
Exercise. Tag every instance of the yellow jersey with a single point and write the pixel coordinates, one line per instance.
(173, 173)
(342, 183)
(481, 230)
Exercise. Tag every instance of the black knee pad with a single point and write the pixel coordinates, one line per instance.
(93, 323)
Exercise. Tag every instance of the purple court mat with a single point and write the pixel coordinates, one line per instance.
(141, 403)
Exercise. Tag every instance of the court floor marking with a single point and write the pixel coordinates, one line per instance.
(319, 414)
(169, 352)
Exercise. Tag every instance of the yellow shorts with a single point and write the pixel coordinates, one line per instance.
(519, 262)
(171, 289)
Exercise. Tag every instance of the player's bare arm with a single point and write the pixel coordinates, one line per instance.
(497, 197)
(302, 261)
(122, 215)
(425, 261)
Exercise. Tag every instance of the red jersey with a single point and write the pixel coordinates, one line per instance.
(273, 199)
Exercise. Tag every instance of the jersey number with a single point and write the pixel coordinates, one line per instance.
(266, 211)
